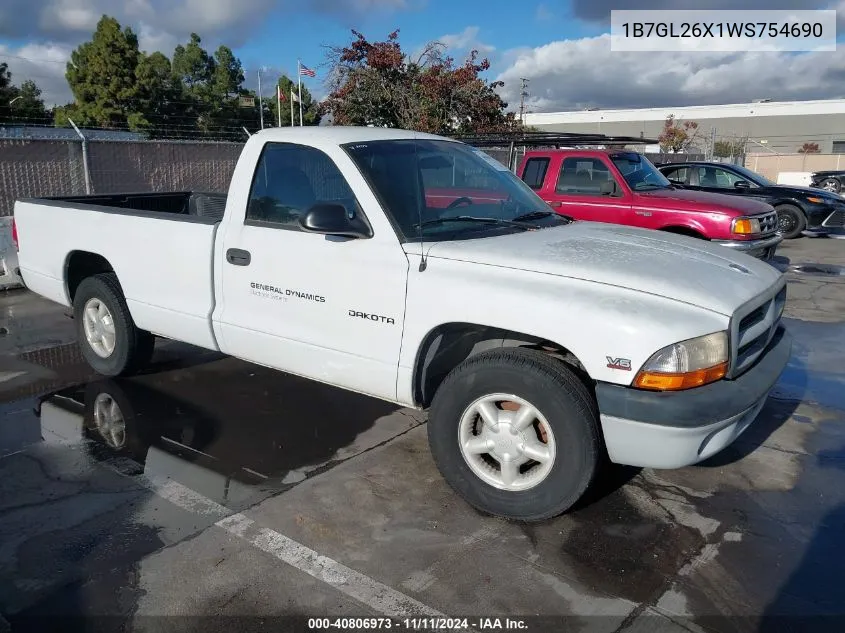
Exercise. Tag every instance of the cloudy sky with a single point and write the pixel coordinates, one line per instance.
(563, 47)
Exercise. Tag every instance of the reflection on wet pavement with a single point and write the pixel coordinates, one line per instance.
(229, 440)
(815, 372)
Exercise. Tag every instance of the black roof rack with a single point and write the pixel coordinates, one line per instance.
(549, 139)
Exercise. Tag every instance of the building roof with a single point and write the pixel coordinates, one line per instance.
(726, 111)
(35, 132)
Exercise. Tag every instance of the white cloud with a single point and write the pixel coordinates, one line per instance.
(73, 20)
(571, 74)
(466, 40)
(43, 63)
(69, 15)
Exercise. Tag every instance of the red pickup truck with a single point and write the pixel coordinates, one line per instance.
(624, 187)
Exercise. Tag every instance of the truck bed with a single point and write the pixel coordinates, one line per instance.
(178, 205)
(160, 245)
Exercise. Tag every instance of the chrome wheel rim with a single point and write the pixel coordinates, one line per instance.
(98, 324)
(830, 186)
(507, 442)
(108, 418)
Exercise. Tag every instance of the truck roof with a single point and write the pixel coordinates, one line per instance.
(338, 135)
(578, 152)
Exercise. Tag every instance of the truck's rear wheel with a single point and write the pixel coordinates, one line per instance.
(515, 433)
(111, 342)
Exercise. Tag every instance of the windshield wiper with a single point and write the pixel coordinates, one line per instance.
(470, 218)
(539, 215)
(532, 215)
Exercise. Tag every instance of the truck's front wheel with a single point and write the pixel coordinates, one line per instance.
(111, 342)
(515, 433)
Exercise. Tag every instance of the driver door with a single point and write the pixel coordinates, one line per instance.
(580, 192)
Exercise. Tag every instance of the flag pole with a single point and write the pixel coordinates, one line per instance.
(260, 102)
(299, 77)
(279, 102)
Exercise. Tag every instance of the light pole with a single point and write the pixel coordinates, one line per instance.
(260, 101)
(15, 99)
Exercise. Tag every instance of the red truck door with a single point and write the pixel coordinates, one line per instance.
(586, 188)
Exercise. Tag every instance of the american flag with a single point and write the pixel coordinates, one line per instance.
(304, 71)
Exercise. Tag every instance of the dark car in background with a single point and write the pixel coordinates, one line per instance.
(799, 208)
(833, 181)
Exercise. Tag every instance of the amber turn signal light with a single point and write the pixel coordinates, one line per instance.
(744, 227)
(658, 381)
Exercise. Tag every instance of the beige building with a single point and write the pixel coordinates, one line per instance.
(778, 127)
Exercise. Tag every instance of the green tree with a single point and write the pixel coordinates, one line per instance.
(212, 89)
(310, 108)
(102, 77)
(194, 67)
(159, 97)
(227, 75)
(730, 148)
(21, 105)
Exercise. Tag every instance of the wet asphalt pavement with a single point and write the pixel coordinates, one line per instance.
(211, 487)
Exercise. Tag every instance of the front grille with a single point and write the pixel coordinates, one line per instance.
(753, 327)
(769, 223)
(835, 219)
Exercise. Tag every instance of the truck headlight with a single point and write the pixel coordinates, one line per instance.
(687, 364)
(745, 226)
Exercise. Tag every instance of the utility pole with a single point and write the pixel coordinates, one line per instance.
(260, 101)
(712, 143)
(522, 94)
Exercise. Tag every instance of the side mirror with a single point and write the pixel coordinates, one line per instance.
(330, 218)
(609, 188)
(742, 184)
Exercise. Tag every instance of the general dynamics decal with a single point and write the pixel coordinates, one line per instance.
(263, 290)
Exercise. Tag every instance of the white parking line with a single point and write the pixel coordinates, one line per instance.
(364, 589)
(368, 591)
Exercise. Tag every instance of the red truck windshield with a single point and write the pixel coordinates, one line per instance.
(639, 172)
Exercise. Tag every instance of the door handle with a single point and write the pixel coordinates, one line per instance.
(238, 257)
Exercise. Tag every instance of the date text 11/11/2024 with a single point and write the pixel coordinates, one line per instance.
(418, 624)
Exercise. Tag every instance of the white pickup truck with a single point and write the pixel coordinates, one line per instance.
(420, 271)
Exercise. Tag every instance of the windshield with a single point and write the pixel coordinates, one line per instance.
(639, 172)
(446, 190)
(752, 176)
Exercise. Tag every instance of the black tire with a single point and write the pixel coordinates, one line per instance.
(831, 184)
(133, 347)
(791, 221)
(553, 390)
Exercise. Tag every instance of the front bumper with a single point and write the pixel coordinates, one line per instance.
(764, 248)
(667, 429)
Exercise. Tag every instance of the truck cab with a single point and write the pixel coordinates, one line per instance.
(624, 187)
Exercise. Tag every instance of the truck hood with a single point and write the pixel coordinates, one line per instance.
(720, 202)
(676, 267)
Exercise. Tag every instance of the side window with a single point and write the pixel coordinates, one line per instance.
(534, 174)
(289, 179)
(717, 178)
(678, 175)
(583, 176)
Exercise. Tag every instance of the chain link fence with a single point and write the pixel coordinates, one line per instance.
(37, 168)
